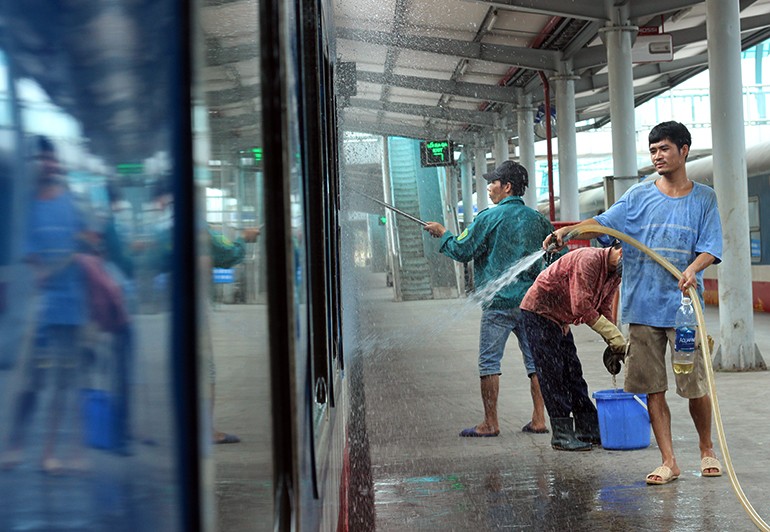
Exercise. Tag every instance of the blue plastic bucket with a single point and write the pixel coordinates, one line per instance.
(98, 419)
(623, 419)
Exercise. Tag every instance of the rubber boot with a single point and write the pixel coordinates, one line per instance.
(563, 438)
(587, 427)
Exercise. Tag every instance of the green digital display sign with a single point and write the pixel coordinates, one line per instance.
(437, 153)
(130, 168)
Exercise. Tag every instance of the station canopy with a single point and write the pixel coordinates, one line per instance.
(429, 69)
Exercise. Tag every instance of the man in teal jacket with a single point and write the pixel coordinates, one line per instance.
(496, 240)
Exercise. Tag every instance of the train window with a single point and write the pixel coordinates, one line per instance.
(93, 179)
(230, 157)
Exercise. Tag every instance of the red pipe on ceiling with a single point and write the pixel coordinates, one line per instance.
(547, 118)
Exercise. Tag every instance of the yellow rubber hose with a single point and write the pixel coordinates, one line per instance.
(705, 350)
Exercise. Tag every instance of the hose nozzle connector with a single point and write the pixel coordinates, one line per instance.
(569, 236)
(554, 240)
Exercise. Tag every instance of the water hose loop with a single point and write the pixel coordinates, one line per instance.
(705, 351)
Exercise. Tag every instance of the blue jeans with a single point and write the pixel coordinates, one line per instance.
(496, 327)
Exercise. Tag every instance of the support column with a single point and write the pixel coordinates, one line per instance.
(569, 207)
(737, 350)
(501, 141)
(480, 162)
(525, 116)
(617, 37)
(390, 226)
(466, 182)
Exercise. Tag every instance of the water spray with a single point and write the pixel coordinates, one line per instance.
(705, 351)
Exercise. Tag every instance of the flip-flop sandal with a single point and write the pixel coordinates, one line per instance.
(471, 433)
(528, 428)
(665, 474)
(228, 438)
(10, 460)
(709, 462)
(52, 466)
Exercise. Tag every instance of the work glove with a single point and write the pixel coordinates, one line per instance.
(613, 358)
(610, 333)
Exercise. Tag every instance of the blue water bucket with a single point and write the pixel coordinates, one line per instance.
(623, 419)
(98, 419)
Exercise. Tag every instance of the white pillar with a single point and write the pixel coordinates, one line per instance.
(569, 207)
(392, 236)
(525, 116)
(466, 182)
(737, 350)
(617, 36)
(480, 162)
(501, 141)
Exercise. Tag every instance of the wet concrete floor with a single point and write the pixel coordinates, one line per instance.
(422, 388)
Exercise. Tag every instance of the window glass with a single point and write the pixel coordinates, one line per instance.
(229, 171)
(89, 171)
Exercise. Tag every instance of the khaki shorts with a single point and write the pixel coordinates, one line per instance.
(646, 364)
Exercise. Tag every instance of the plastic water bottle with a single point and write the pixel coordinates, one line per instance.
(684, 344)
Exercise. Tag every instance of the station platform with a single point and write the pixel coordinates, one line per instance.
(422, 388)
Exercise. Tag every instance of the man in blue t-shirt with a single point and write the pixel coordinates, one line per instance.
(56, 234)
(679, 220)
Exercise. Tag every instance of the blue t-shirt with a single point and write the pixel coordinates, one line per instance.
(53, 229)
(678, 229)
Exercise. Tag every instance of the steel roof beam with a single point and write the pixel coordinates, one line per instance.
(581, 9)
(604, 97)
(452, 115)
(222, 97)
(601, 81)
(592, 9)
(393, 130)
(650, 8)
(233, 54)
(467, 90)
(596, 56)
(519, 56)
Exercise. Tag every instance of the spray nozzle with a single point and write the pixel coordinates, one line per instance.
(552, 246)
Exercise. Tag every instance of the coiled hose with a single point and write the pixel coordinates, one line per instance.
(705, 350)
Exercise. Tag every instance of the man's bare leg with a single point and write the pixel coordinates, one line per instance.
(538, 406)
(218, 436)
(660, 419)
(700, 411)
(490, 386)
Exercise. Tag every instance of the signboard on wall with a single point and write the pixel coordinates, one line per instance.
(436, 153)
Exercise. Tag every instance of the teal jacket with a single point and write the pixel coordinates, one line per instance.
(226, 253)
(497, 239)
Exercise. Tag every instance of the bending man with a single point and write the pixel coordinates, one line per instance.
(578, 288)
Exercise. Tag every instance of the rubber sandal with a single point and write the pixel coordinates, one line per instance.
(228, 438)
(709, 462)
(471, 433)
(52, 466)
(665, 474)
(528, 428)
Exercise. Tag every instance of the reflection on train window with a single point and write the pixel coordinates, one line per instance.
(755, 235)
(235, 344)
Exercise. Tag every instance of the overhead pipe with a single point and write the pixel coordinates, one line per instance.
(536, 43)
(547, 93)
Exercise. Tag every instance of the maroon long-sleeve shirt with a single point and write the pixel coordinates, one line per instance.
(574, 289)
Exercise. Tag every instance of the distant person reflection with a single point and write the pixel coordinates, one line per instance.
(56, 232)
